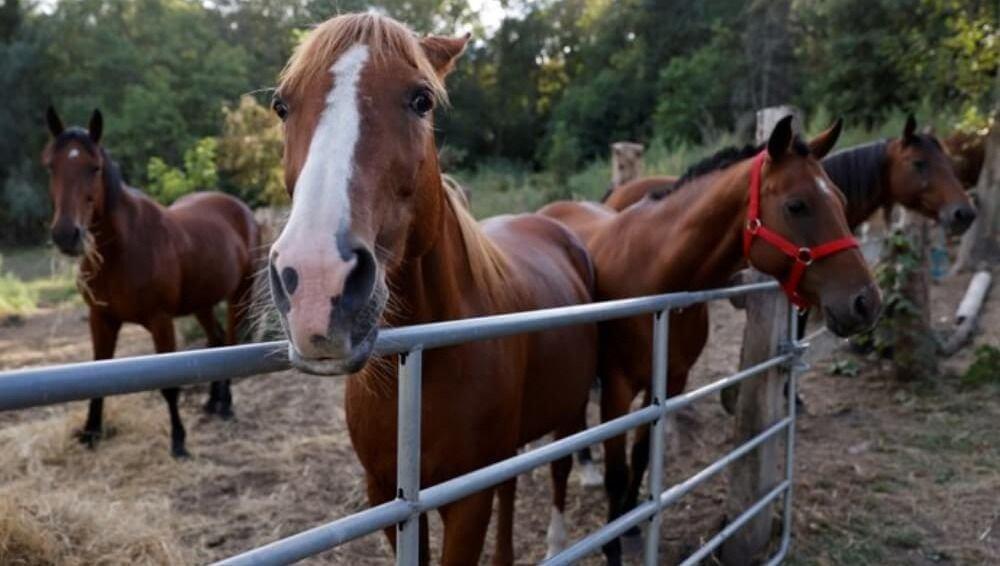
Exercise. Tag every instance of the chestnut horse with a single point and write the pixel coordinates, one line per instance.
(146, 264)
(694, 239)
(370, 216)
(621, 197)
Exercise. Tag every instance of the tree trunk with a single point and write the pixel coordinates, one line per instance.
(980, 244)
(914, 351)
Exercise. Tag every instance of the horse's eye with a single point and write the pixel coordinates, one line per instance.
(280, 108)
(920, 165)
(796, 207)
(422, 102)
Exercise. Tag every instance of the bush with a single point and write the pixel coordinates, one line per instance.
(985, 368)
(167, 184)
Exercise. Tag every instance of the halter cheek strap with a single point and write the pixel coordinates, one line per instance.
(802, 257)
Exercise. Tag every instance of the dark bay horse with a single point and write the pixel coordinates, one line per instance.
(967, 152)
(146, 264)
(370, 216)
(694, 239)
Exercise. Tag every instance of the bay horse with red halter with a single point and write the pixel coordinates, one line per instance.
(912, 170)
(370, 216)
(146, 264)
(773, 208)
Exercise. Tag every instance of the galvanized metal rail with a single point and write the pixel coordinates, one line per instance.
(46, 386)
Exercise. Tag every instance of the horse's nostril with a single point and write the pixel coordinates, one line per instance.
(361, 282)
(965, 215)
(861, 306)
(290, 280)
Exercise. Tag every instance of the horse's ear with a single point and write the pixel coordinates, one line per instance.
(443, 51)
(781, 138)
(96, 126)
(54, 121)
(910, 129)
(821, 145)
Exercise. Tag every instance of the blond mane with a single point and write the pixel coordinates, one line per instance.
(385, 38)
(487, 262)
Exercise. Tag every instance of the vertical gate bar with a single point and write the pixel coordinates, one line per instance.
(408, 455)
(661, 333)
(793, 340)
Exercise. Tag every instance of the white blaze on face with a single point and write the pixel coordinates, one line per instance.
(73, 153)
(824, 186)
(321, 208)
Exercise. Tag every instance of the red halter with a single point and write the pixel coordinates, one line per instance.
(803, 257)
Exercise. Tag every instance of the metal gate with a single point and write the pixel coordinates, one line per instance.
(47, 386)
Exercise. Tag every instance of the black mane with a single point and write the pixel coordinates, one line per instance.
(722, 159)
(857, 171)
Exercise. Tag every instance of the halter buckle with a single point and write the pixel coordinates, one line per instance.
(804, 256)
(753, 225)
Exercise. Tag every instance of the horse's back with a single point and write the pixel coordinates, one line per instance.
(197, 210)
(581, 217)
(621, 197)
(546, 258)
(553, 269)
(217, 241)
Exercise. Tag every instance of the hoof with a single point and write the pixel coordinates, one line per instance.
(211, 407)
(590, 476)
(88, 438)
(632, 542)
(180, 453)
(226, 413)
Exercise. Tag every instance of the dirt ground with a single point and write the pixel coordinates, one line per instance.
(886, 473)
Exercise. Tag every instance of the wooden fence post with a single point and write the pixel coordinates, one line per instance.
(760, 402)
(626, 162)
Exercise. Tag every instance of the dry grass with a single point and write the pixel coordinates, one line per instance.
(885, 473)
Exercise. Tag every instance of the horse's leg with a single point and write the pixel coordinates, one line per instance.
(616, 396)
(378, 496)
(505, 522)
(556, 536)
(164, 339)
(465, 524)
(590, 476)
(217, 394)
(237, 308)
(104, 337)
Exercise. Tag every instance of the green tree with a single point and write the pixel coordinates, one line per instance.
(249, 154)
(167, 184)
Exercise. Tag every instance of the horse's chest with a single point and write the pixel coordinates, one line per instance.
(469, 417)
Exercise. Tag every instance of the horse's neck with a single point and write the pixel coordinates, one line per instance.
(436, 285)
(111, 228)
(860, 173)
(694, 235)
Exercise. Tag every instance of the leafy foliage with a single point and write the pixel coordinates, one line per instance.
(168, 184)
(985, 368)
(552, 87)
(250, 153)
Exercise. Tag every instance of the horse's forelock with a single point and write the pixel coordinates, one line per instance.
(385, 38)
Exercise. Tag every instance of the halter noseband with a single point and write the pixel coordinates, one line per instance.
(802, 257)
